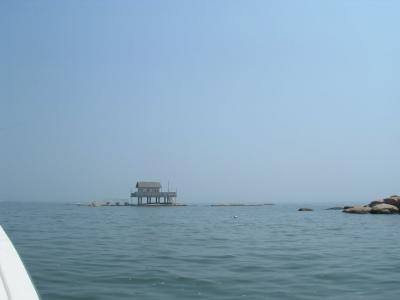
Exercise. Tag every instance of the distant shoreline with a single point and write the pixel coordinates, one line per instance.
(242, 204)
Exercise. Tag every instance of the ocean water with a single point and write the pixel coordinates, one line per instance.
(268, 252)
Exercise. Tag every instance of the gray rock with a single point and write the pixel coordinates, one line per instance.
(305, 209)
(357, 210)
(335, 208)
(376, 202)
(384, 209)
(392, 201)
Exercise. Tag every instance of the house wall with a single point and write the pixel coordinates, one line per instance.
(148, 190)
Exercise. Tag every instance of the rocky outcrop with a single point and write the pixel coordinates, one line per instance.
(335, 208)
(389, 205)
(393, 200)
(384, 209)
(358, 210)
(375, 202)
(305, 209)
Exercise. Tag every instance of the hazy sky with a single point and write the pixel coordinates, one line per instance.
(263, 101)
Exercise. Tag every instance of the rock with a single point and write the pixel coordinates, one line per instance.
(389, 205)
(305, 209)
(376, 202)
(393, 200)
(335, 208)
(390, 201)
(384, 209)
(357, 210)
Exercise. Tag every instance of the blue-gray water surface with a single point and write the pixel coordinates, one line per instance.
(267, 252)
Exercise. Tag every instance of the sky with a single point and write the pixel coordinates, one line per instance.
(228, 101)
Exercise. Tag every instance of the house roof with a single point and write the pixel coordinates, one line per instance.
(148, 184)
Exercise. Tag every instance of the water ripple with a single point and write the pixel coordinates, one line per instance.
(267, 252)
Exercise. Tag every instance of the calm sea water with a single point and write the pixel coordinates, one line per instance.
(269, 252)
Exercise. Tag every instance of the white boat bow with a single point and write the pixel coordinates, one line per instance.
(15, 283)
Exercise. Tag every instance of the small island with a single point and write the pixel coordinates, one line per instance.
(389, 205)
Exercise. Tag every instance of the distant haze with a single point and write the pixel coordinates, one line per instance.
(229, 101)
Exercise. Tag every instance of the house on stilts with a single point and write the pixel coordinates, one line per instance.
(152, 192)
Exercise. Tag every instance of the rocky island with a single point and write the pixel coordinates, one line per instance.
(390, 205)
